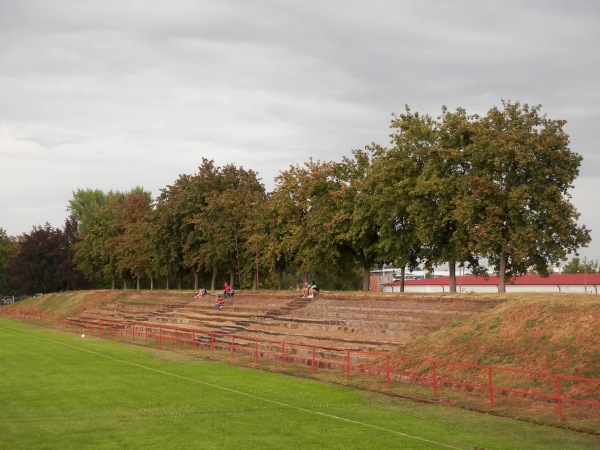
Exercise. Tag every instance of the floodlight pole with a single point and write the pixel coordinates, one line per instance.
(585, 273)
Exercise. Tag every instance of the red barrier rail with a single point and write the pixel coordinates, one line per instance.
(391, 367)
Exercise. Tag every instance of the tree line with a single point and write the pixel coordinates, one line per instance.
(454, 189)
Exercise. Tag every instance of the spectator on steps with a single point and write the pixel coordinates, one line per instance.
(227, 290)
(313, 290)
(305, 290)
(219, 303)
(201, 293)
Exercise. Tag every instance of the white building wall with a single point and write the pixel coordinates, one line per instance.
(479, 289)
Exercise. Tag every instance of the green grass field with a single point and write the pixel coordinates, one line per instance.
(59, 390)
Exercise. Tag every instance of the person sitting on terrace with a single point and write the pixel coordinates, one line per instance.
(201, 293)
(313, 290)
(305, 290)
(219, 303)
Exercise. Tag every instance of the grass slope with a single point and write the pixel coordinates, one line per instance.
(550, 334)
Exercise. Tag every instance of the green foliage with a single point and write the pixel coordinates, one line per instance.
(576, 265)
(8, 249)
(452, 189)
(42, 262)
(517, 209)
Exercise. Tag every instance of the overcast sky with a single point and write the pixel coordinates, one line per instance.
(115, 94)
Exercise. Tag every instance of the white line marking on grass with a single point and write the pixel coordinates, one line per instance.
(256, 397)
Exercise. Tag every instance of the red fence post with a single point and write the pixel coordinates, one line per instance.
(232, 345)
(255, 351)
(491, 386)
(283, 354)
(387, 370)
(433, 379)
(313, 359)
(558, 399)
(347, 364)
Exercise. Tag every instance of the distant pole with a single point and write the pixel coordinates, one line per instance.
(585, 273)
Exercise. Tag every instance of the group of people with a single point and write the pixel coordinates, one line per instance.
(228, 292)
(310, 290)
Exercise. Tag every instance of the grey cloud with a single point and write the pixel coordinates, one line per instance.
(159, 85)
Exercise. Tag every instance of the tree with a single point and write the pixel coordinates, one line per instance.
(132, 245)
(8, 248)
(354, 228)
(95, 249)
(42, 262)
(84, 202)
(518, 206)
(392, 178)
(172, 227)
(433, 206)
(227, 222)
(576, 265)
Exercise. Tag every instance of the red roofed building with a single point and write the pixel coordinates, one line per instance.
(565, 282)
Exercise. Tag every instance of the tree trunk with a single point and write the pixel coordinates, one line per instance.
(196, 288)
(138, 283)
(452, 271)
(366, 278)
(502, 272)
(256, 279)
(213, 283)
(402, 274)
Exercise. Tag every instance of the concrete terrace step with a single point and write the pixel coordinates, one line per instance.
(359, 323)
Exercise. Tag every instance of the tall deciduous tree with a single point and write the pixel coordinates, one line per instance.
(353, 226)
(42, 262)
(519, 211)
(393, 176)
(96, 249)
(132, 243)
(172, 226)
(228, 221)
(438, 187)
(8, 248)
(576, 265)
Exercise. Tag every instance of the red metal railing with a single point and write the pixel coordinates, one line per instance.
(487, 379)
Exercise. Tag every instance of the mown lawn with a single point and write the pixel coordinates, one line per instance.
(59, 390)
